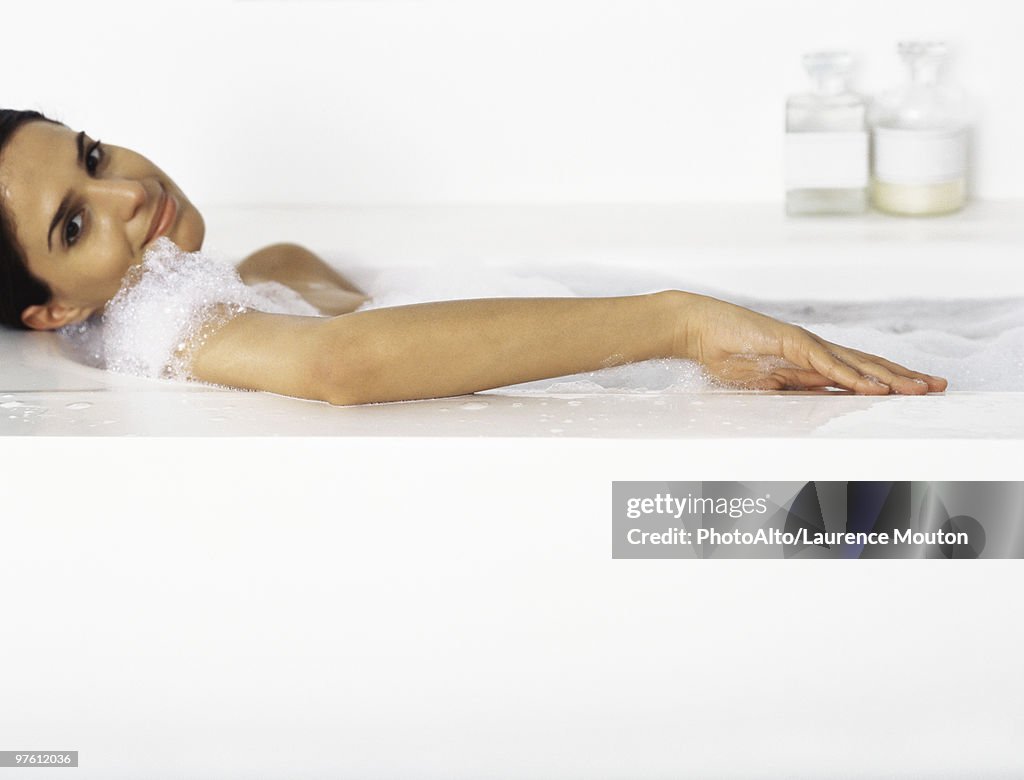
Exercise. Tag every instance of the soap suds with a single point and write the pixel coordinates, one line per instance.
(166, 308)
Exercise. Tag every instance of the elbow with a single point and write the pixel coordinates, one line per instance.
(348, 368)
(334, 390)
(337, 381)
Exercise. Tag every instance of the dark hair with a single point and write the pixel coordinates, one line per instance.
(18, 287)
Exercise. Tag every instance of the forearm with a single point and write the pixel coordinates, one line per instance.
(441, 349)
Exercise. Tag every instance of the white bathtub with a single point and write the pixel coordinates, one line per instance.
(752, 253)
(426, 589)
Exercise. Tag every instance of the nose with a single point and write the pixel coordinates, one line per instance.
(123, 196)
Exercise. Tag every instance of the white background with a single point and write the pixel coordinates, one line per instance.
(185, 595)
(425, 101)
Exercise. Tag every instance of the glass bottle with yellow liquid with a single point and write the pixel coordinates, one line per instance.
(919, 137)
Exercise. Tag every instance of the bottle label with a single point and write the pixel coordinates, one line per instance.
(826, 160)
(919, 156)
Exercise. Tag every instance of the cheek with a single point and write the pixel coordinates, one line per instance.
(99, 278)
(110, 273)
(110, 268)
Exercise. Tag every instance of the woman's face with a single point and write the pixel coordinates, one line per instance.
(84, 213)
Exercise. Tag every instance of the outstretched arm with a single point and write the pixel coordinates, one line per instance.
(454, 347)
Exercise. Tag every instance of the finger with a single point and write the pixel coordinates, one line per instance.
(831, 365)
(936, 384)
(746, 373)
(899, 378)
(765, 383)
(779, 382)
(796, 378)
(904, 385)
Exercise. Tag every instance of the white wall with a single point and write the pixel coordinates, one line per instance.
(379, 101)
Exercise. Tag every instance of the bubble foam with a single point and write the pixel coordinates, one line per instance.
(166, 308)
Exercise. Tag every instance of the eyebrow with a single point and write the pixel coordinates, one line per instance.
(62, 209)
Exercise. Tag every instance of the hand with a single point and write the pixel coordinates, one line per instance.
(750, 350)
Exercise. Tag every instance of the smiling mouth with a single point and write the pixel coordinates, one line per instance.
(163, 217)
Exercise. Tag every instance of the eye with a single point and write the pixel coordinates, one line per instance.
(94, 157)
(73, 229)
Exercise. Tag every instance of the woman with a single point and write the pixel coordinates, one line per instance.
(76, 214)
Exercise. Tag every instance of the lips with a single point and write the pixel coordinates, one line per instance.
(163, 216)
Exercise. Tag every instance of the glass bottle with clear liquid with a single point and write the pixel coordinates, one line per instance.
(919, 136)
(827, 141)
